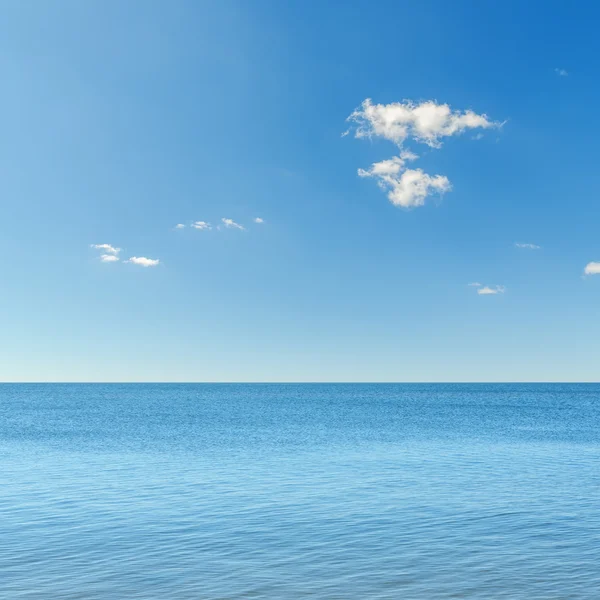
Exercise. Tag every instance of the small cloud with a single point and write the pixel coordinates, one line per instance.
(475, 284)
(201, 225)
(405, 187)
(528, 246)
(231, 224)
(427, 122)
(109, 258)
(179, 226)
(345, 133)
(478, 136)
(143, 261)
(486, 291)
(107, 248)
(592, 268)
(561, 72)
(258, 220)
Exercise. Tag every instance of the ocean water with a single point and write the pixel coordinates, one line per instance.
(207, 492)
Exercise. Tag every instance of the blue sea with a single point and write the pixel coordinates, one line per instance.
(222, 492)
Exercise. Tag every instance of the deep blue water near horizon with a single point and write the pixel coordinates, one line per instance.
(324, 491)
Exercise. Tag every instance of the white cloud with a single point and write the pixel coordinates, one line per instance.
(389, 167)
(592, 268)
(561, 72)
(258, 220)
(406, 187)
(107, 248)
(109, 258)
(414, 186)
(426, 122)
(486, 291)
(528, 246)
(143, 261)
(475, 284)
(232, 224)
(179, 226)
(201, 225)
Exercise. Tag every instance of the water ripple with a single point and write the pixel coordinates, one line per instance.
(277, 492)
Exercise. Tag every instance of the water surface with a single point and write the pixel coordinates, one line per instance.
(344, 492)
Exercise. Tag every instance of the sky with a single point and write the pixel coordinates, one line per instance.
(299, 191)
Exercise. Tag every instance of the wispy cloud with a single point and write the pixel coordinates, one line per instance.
(230, 223)
(107, 248)
(592, 268)
(201, 225)
(475, 284)
(527, 246)
(109, 258)
(427, 122)
(180, 226)
(561, 72)
(487, 291)
(142, 261)
(258, 220)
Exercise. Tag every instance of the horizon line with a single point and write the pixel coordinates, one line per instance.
(130, 382)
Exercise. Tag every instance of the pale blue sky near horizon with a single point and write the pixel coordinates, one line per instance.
(122, 119)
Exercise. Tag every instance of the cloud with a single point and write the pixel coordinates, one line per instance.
(201, 225)
(561, 72)
(592, 268)
(528, 246)
(486, 291)
(405, 187)
(391, 166)
(258, 220)
(107, 248)
(143, 261)
(232, 224)
(179, 226)
(109, 258)
(427, 122)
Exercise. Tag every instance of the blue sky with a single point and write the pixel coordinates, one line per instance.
(121, 120)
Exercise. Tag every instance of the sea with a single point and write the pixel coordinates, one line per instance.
(294, 491)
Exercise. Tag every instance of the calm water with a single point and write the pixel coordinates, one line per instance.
(300, 491)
